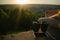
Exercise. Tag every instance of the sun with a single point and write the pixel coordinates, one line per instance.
(22, 1)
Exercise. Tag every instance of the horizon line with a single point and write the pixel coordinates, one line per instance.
(26, 4)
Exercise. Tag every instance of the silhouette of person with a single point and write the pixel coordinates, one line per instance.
(44, 26)
(36, 27)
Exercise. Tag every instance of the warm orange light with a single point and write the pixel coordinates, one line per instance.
(22, 1)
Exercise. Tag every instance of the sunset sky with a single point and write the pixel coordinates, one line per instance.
(30, 2)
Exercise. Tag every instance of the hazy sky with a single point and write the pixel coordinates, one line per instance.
(32, 1)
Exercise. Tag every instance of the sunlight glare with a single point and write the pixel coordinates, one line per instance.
(22, 1)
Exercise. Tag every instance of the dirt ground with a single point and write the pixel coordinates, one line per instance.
(29, 35)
